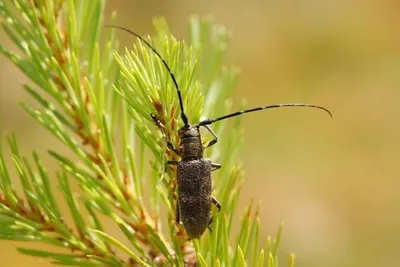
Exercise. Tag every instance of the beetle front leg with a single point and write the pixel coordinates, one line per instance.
(159, 126)
(214, 141)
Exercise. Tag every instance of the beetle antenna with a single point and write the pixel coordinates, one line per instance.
(183, 115)
(211, 121)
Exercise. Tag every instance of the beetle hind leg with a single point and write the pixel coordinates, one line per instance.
(218, 205)
(177, 214)
(209, 225)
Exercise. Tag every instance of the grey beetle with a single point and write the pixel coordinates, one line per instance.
(193, 206)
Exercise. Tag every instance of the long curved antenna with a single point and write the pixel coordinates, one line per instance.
(210, 121)
(183, 115)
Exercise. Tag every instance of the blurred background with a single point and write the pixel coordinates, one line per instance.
(334, 183)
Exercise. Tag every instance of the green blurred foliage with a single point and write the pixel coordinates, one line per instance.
(334, 182)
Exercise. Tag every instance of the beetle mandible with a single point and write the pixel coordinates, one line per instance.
(193, 206)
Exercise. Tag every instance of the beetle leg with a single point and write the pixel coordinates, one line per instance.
(212, 142)
(216, 203)
(169, 162)
(209, 225)
(177, 214)
(215, 166)
(169, 144)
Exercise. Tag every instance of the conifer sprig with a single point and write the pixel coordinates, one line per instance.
(95, 101)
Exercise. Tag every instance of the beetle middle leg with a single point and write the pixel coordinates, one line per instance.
(169, 162)
(215, 166)
(216, 203)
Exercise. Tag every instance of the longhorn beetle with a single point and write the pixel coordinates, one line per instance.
(194, 171)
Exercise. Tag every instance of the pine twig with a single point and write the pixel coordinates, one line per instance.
(94, 100)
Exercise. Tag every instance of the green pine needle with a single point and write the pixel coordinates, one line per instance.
(97, 102)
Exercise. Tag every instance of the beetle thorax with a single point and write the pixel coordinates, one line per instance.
(190, 146)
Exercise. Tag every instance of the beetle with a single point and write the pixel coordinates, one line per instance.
(195, 198)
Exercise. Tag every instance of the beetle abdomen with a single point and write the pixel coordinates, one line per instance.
(194, 195)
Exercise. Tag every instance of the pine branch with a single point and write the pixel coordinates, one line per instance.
(94, 100)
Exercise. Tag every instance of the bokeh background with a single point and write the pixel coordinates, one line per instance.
(335, 183)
